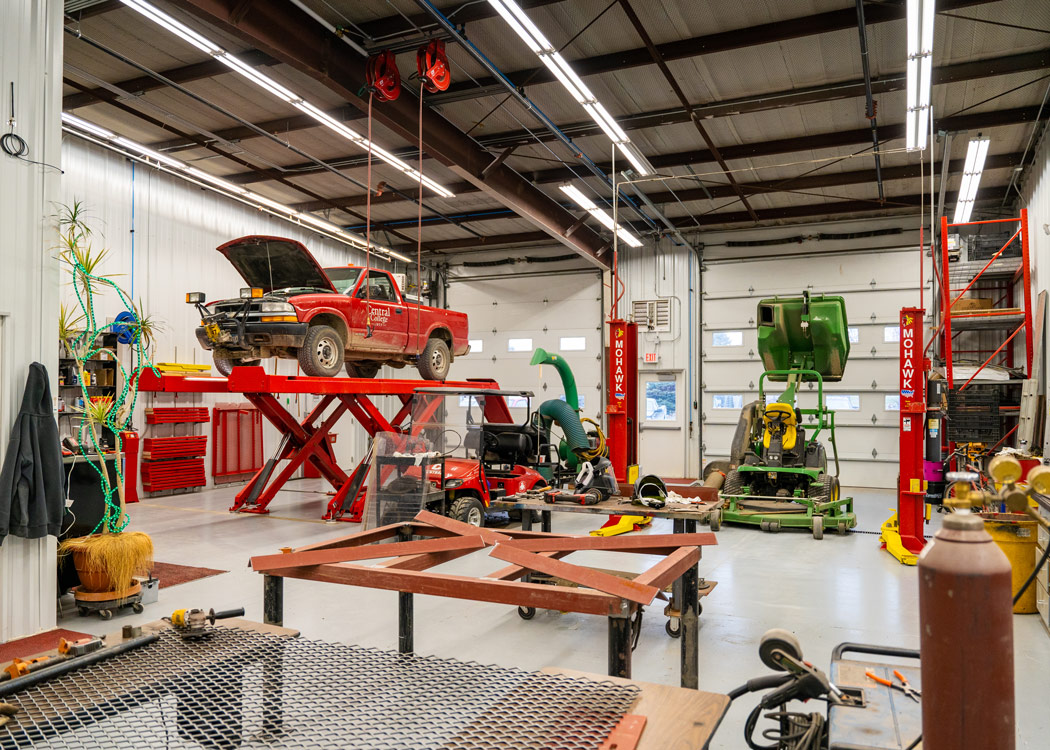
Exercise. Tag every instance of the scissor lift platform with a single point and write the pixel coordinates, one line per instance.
(306, 440)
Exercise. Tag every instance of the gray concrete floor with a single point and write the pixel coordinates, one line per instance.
(838, 589)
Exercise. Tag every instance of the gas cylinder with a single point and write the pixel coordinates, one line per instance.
(966, 628)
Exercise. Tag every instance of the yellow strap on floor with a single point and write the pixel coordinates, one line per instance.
(626, 523)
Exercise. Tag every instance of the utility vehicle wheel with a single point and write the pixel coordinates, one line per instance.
(526, 613)
(105, 614)
(435, 360)
(673, 630)
(818, 527)
(225, 365)
(468, 510)
(137, 608)
(321, 354)
(714, 518)
(362, 369)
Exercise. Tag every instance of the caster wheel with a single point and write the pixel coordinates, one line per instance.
(771, 526)
(699, 609)
(105, 614)
(715, 520)
(137, 608)
(82, 611)
(673, 627)
(818, 527)
(843, 528)
(526, 613)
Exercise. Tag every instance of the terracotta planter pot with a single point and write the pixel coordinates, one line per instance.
(91, 580)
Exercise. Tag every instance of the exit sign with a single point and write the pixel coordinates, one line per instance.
(651, 358)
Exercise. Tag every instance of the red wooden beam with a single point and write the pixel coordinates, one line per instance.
(458, 527)
(589, 577)
(538, 595)
(514, 572)
(266, 563)
(668, 570)
(355, 539)
(651, 544)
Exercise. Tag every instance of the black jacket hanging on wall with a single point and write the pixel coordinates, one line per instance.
(31, 497)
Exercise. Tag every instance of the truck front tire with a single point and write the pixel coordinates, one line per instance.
(321, 354)
(435, 360)
(225, 365)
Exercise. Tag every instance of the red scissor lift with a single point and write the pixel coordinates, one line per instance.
(305, 440)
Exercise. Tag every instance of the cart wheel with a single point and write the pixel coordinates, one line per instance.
(699, 609)
(818, 527)
(526, 613)
(843, 528)
(137, 608)
(105, 614)
(715, 519)
(82, 611)
(778, 639)
(674, 630)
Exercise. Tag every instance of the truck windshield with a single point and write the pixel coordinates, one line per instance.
(343, 279)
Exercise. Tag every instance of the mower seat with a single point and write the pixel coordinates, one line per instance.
(780, 419)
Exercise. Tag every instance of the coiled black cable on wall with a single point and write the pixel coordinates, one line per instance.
(15, 145)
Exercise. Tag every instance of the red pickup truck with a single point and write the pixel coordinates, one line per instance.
(324, 317)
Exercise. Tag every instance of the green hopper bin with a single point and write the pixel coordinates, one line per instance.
(803, 333)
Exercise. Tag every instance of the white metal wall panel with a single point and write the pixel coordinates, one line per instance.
(875, 287)
(31, 61)
(1036, 191)
(545, 309)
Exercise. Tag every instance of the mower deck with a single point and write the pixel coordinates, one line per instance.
(774, 513)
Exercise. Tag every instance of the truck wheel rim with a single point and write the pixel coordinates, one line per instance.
(326, 353)
(437, 360)
(474, 516)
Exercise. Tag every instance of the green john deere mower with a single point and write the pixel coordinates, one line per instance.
(777, 475)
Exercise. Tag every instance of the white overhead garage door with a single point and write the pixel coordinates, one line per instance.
(512, 316)
(875, 287)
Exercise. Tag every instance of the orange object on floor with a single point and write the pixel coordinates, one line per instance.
(35, 644)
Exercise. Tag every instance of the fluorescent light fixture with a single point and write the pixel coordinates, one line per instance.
(919, 71)
(282, 92)
(556, 64)
(588, 205)
(182, 169)
(976, 152)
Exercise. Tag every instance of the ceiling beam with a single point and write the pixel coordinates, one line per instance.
(459, 12)
(743, 151)
(774, 31)
(991, 196)
(290, 35)
(182, 74)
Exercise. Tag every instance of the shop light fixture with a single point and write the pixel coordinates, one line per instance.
(179, 168)
(283, 93)
(971, 179)
(588, 205)
(920, 68)
(549, 56)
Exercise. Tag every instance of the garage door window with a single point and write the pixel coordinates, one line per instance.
(477, 346)
(891, 334)
(727, 401)
(854, 335)
(580, 397)
(572, 344)
(727, 338)
(519, 345)
(842, 401)
(661, 401)
(893, 402)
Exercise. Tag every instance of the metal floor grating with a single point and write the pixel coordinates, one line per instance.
(247, 689)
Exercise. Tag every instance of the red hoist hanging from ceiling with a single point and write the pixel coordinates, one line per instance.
(432, 66)
(382, 76)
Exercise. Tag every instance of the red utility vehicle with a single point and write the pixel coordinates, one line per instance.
(327, 318)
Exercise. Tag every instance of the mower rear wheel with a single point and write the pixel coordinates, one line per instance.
(734, 483)
(829, 488)
(818, 527)
(468, 510)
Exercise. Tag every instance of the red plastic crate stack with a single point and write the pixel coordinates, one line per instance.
(174, 463)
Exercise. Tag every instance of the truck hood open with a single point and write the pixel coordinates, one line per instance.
(270, 263)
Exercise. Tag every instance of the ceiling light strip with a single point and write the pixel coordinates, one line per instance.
(588, 205)
(920, 17)
(563, 72)
(283, 93)
(181, 169)
(976, 152)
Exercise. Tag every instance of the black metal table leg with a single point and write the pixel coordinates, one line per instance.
(526, 520)
(273, 600)
(677, 527)
(545, 521)
(690, 608)
(620, 646)
(405, 630)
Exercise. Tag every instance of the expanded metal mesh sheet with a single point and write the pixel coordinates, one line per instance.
(252, 690)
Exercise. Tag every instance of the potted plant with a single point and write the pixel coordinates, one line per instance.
(108, 558)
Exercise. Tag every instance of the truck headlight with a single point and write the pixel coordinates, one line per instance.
(276, 307)
(452, 484)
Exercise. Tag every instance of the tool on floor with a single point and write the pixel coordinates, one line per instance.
(904, 686)
(7, 710)
(79, 647)
(192, 624)
(19, 667)
(778, 470)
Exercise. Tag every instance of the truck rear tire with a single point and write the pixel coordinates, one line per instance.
(321, 354)
(468, 510)
(225, 365)
(435, 360)
(362, 369)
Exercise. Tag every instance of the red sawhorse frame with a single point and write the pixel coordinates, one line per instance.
(305, 441)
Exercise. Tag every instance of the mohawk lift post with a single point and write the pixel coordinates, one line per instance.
(778, 474)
